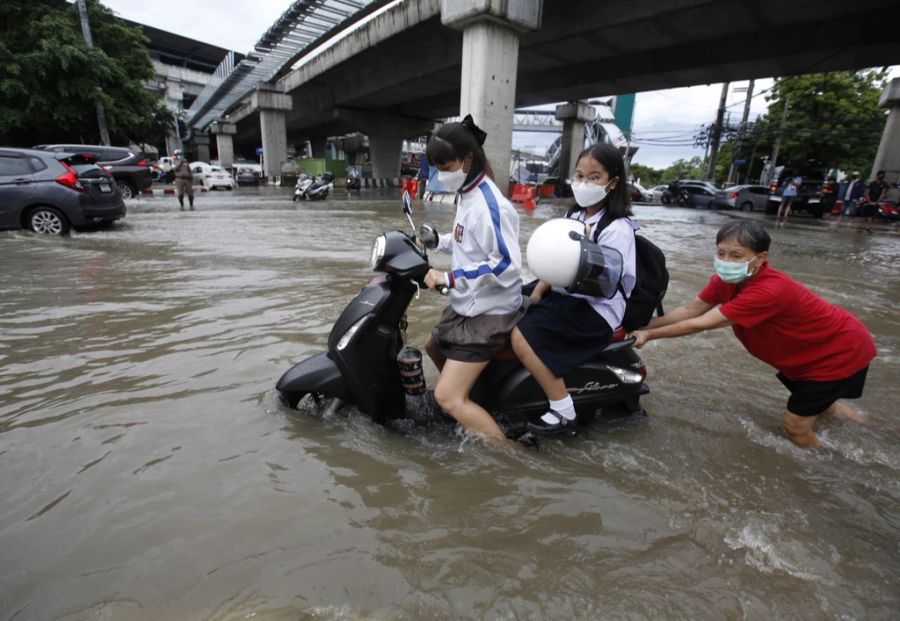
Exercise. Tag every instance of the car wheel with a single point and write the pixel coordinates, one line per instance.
(747, 206)
(230, 188)
(128, 191)
(48, 221)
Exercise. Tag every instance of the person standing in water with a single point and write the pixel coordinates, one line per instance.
(821, 351)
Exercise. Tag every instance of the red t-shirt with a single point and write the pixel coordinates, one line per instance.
(786, 325)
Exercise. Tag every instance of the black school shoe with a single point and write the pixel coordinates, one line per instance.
(562, 426)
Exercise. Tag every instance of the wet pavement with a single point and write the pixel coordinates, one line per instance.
(148, 470)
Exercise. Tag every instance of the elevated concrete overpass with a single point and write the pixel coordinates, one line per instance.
(420, 60)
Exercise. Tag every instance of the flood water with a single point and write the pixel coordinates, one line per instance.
(148, 470)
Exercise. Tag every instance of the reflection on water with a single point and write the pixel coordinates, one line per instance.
(147, 469)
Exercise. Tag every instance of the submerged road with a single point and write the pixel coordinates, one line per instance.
(148, 470)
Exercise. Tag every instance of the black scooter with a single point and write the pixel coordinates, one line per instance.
(361, 365)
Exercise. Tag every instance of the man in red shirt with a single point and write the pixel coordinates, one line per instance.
(821, 351)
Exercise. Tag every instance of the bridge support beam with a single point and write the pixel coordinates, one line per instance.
(888, 156)
(490, 60)
(273, 106)
(574, 116)
(224, 133)
(201, 144)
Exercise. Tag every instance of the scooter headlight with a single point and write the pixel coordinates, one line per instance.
(378, 251)
(351, 332)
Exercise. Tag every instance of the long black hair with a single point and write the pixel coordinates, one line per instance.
(454, 141)
(618, 201)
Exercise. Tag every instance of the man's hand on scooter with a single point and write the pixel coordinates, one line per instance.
(640, 337)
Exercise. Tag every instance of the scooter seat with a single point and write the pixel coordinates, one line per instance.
(618, 335)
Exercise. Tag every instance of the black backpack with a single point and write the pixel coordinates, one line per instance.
(651, 283)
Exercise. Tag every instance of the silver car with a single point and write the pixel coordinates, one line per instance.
(743, 197)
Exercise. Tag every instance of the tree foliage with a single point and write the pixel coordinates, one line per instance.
(833, 119)
(50, 82)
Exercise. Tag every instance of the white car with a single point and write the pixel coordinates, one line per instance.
(212, 176)
(657, 192)
(646, 195)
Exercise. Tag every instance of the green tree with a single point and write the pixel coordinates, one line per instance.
(50, 82)
(833, 118)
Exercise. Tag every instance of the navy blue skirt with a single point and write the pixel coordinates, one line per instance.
(564, 331)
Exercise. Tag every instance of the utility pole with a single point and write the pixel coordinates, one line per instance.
(717, 133)
(743, 128)
(774, 161)
(89, 42)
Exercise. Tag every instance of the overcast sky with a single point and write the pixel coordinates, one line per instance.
(667, 114)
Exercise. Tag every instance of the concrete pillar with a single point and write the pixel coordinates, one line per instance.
(490, 61)
(224, 133)
(574, 116)
(201, 143)
(174, 98)
(888, 157)
(385, 153)
(318, 144)
(273, 106)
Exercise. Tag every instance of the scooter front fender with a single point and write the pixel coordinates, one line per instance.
(317, 374)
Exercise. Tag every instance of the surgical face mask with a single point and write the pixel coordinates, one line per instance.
(732, 271)
(453, 180)
(587, 194)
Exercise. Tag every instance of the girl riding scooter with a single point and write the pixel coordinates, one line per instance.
(485, 280)
(563, 330)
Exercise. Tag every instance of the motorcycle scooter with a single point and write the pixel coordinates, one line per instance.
(302, 185)
(360, 366)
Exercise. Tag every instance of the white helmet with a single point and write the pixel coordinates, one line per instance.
(178, 153)
(552, 255)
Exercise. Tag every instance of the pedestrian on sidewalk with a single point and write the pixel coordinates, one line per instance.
(829, 195)
(184, 179)
(791, 189)
(855, 191)
(874, 193)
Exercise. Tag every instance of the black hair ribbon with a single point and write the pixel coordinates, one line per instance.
(479, 134)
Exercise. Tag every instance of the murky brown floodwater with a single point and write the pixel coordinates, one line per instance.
(148, 471)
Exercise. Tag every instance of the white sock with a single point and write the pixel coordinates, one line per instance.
(565, 407)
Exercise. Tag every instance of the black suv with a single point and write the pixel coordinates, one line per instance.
(809, 195)
(130, 170)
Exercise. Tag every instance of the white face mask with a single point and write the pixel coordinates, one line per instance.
(587, 194)
(452, 179)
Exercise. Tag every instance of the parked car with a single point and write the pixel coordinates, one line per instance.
(212, 176)
(644, 195)
(130, 170)
(698, 195)
(50, 192)
(743, 197)
(245, 176)
(699, 182)
(809, 195)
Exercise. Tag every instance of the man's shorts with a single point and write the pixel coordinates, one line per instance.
(849, 208)
(787, 201)
(811, 398)
(868, 210)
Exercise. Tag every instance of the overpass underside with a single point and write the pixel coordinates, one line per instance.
(582, 49)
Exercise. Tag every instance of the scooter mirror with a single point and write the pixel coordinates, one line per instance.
(407, 203)
(429, 236)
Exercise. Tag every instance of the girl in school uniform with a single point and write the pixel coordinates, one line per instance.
(485, 280)
(562, 330)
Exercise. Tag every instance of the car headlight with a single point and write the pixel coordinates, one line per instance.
(378, 251)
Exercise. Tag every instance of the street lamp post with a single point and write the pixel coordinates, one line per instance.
(89, 42)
